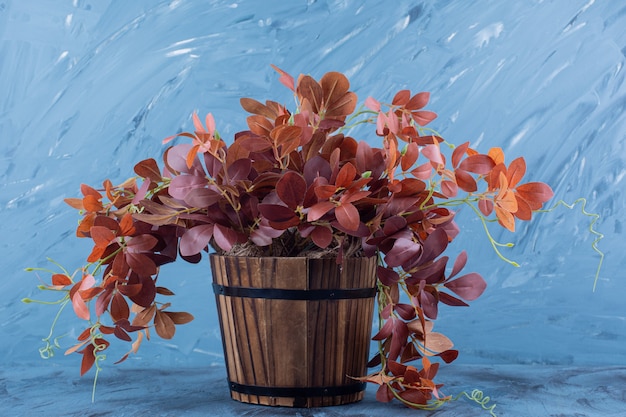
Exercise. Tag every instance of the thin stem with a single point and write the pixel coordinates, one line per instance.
(599, 236)
(494, 243)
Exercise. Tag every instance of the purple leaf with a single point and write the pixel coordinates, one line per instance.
(196, 239)
(201, 197)
(459, 264)
(387, 276)
(469, 287)
(182, 184)
(239, 170)
(403, 251)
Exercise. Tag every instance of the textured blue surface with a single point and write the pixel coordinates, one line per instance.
(89, 87)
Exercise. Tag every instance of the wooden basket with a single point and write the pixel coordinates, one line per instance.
(295, 329)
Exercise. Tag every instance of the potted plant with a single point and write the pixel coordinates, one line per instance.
(295, 185)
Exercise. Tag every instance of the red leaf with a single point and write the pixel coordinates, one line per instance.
(101, 235)
(401, 98)
(469, 286)
(423, 117)
(348, 216)
(478, 164)
(418, 101)
(291, 188)
(458, 153)
(345, 176)
(449, 355)
(280, 217)
(179, 317)
(119, 308)
(465, 181)
(384, 394)
(141, 264)
(103, 301)
(164, 325)
(121, 334)
(318, 210)
(88, 359)
(410, 156)
(535, 192)
(322, 236)
(141, 243)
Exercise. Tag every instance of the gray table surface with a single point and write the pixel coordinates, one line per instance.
(516, 390)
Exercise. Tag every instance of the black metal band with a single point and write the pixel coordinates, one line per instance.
(282, 294)
(298, 392)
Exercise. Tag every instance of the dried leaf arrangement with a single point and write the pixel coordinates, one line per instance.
(296, 184)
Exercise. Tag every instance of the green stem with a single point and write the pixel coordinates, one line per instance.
(599, 236)
(494, 243)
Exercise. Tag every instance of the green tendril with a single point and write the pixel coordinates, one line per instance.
(47, 351)
(599, 236)
(479, 398)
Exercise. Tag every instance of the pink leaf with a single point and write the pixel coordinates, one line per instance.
(80, 307)
(225, 237)
(372, 104)
(285, 79)
(433, 153)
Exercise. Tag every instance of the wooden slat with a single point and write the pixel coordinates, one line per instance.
(294, 343)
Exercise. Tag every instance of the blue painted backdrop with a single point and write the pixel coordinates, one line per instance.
(89, 87)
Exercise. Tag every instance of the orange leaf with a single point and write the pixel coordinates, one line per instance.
(61, 280)
(76, 203)
(505, 218)
(126, 225)
(497, 155)
(535, 192)
(516, 171)
(92, 203)
(508, 201)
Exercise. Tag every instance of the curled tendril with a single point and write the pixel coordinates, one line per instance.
(599, 236)
(479, 398)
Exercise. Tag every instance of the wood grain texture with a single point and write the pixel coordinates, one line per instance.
(295, 343)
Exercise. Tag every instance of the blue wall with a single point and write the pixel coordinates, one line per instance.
(88, 88)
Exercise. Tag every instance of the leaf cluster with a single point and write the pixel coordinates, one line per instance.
(296, 183)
